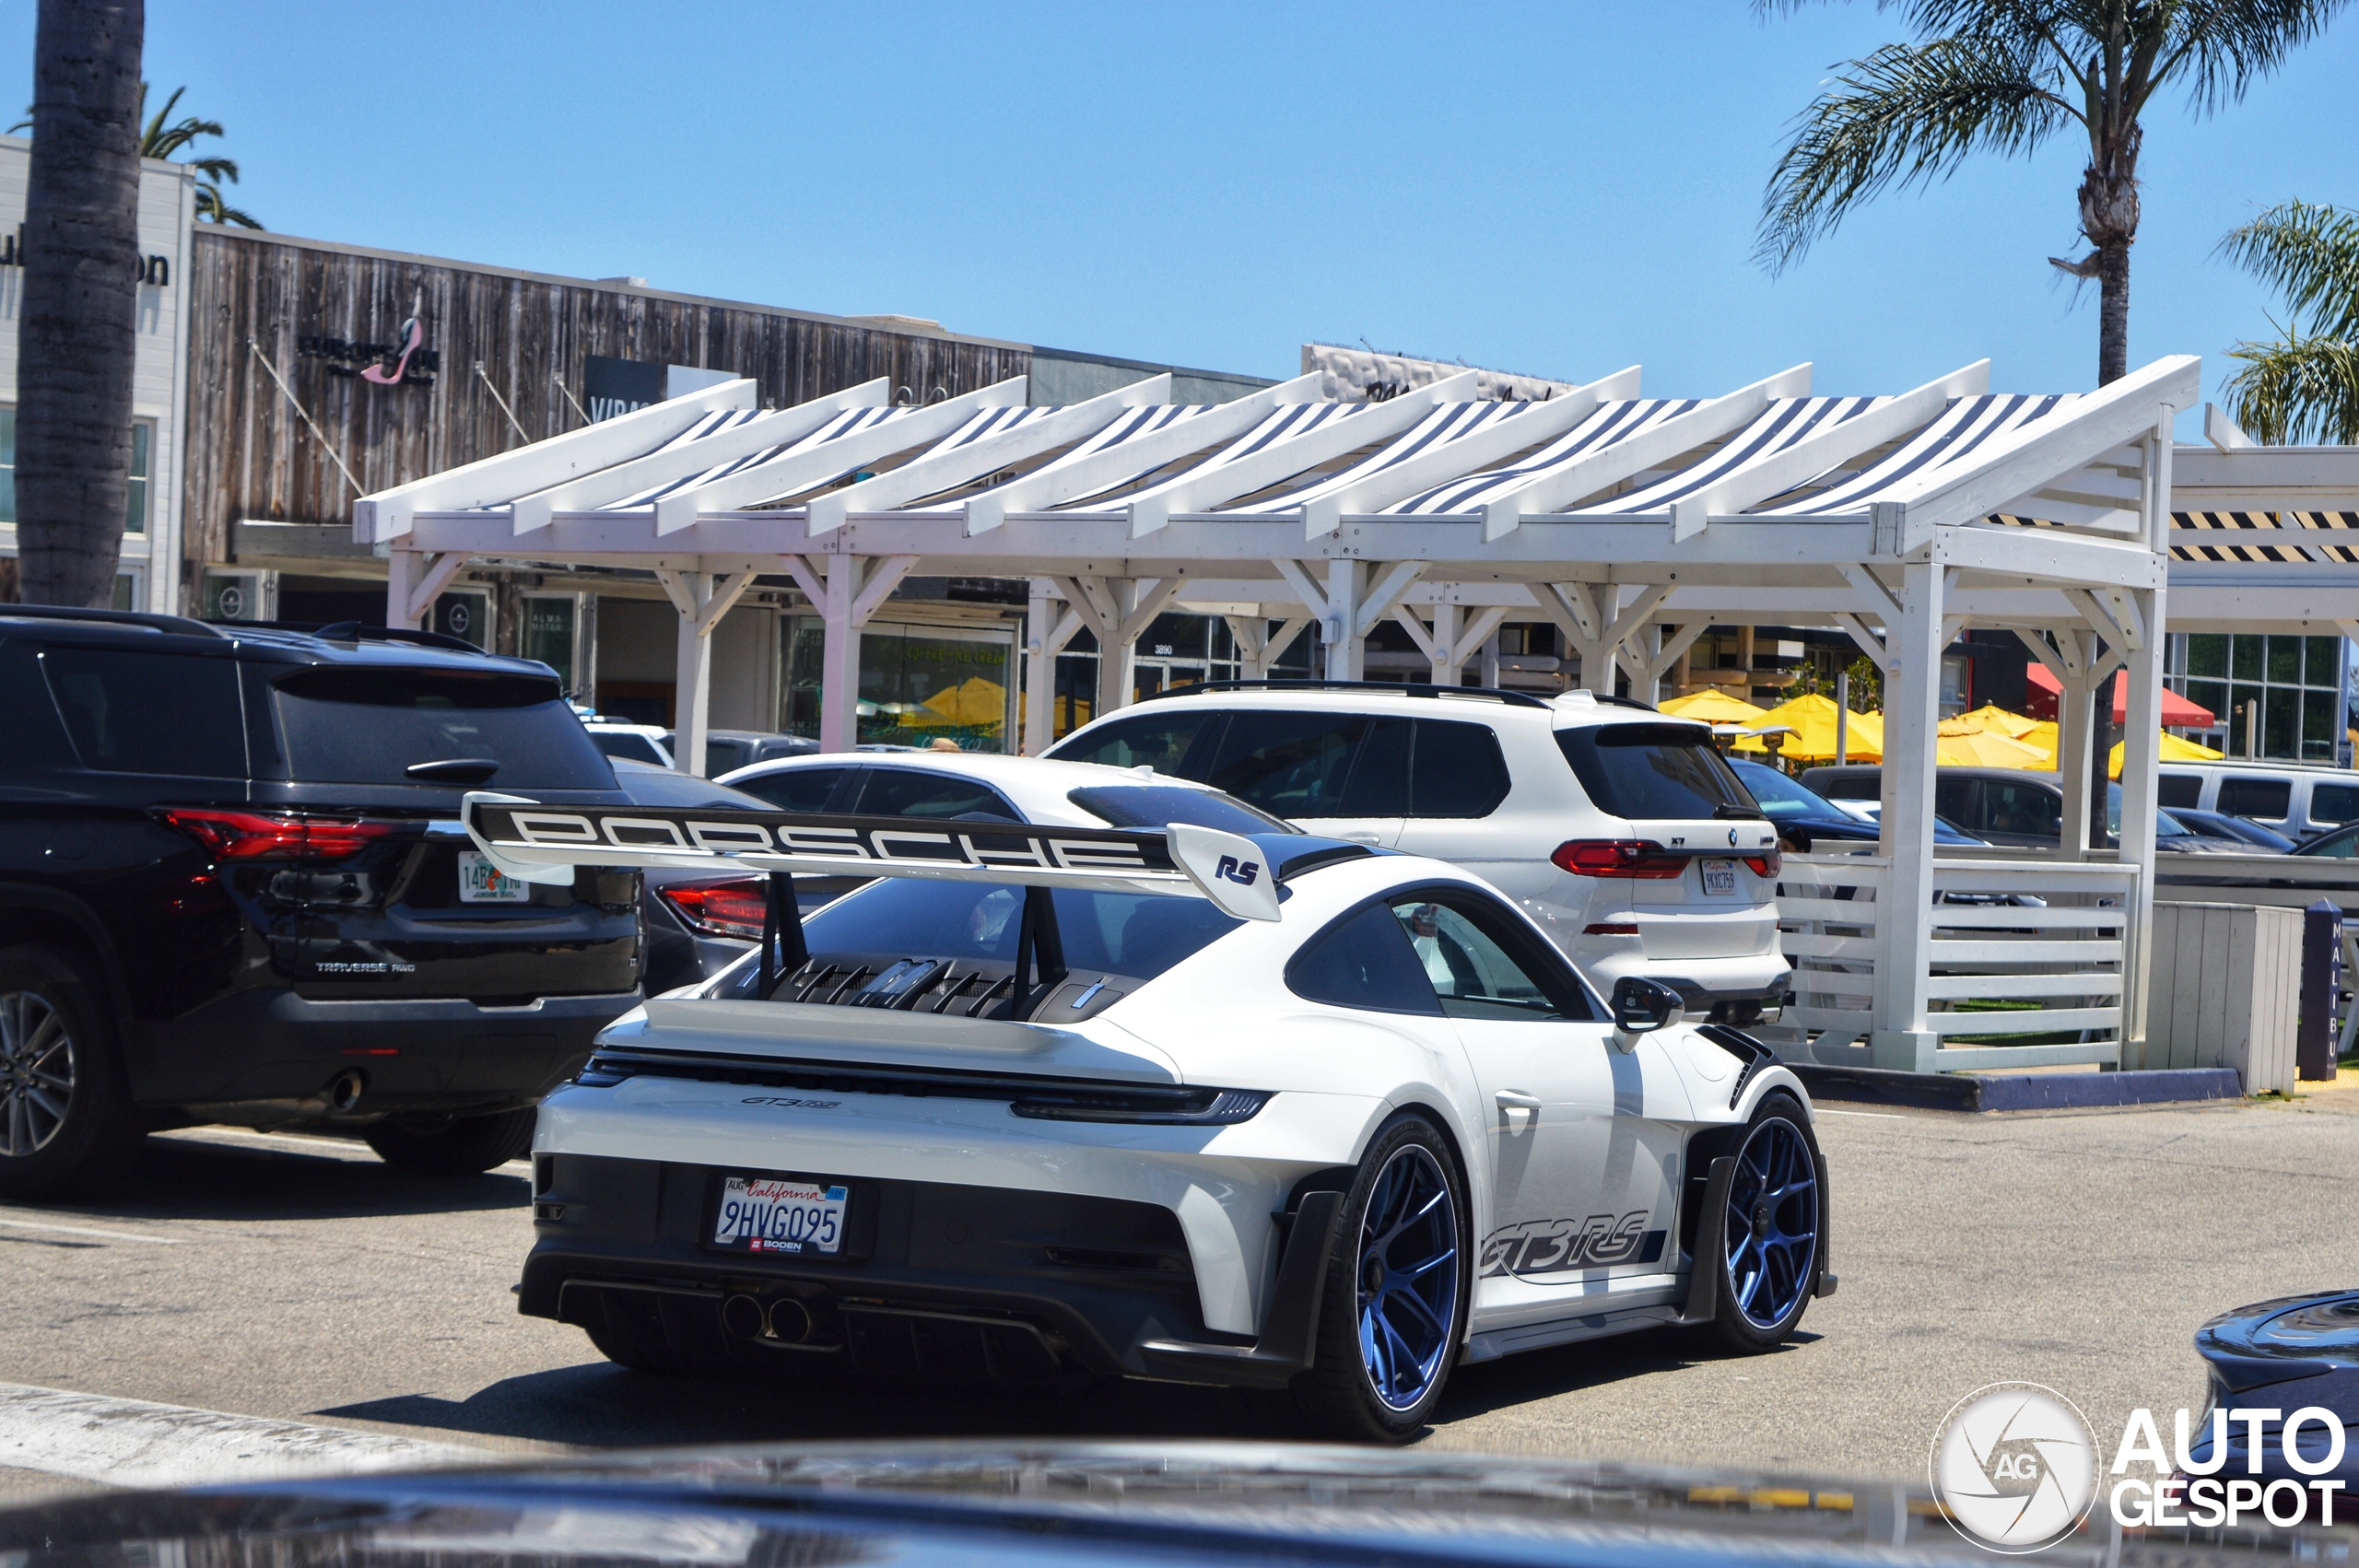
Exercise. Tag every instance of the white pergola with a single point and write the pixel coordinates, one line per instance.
(1630, 523)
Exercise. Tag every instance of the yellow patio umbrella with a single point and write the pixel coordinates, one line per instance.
(1960, 742)
(1713, 707)
(2174, 748)
(973, 701)
(1812, 717)
(1991, 716)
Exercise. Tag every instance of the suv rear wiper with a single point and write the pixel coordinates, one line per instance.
(1725, 812)
(454, 770)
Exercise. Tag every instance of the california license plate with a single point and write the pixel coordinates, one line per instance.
(480, 881)
(780, 1214)
(1720, 877)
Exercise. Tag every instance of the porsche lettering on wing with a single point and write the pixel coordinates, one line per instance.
(1537, 1247)
(1014, 847)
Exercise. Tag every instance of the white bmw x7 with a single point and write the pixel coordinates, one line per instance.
(1620, 831)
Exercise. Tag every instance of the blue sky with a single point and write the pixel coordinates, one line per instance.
(1553, 189)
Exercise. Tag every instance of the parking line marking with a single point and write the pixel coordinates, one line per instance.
(134, 1443)
(87, 1231)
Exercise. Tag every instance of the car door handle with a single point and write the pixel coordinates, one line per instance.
(1517, 1100)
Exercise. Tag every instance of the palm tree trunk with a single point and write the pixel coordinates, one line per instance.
(2113, 311)
(78, 338)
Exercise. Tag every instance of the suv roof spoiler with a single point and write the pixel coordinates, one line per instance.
(179, 626)
(354, 631)
(536, 843)
(1393, 688)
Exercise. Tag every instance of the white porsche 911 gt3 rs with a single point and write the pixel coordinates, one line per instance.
(1043, 1103)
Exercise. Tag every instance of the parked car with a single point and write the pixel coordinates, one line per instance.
(1622, 831)
(2300, 801)
(725, 750)
(2342, 844)
(1047, 1103)
(631, 742)
(698, 923)
(2244, 830)
(2280, 1359)
(233, 889)
(2009, 805)
(1803, 816)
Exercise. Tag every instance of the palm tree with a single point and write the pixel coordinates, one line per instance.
(2004, 77)
(161, 141)
(2304, 386)
(77, 341)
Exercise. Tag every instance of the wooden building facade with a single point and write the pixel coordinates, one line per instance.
(319, 372)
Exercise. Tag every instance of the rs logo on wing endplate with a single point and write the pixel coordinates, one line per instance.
(1241, 872)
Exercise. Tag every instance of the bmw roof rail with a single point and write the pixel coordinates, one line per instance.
(353, 631)
(1392, 689)
(179, 626)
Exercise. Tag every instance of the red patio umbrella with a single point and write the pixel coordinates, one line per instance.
(2041, 691)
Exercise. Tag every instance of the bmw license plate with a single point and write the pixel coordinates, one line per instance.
(793, 1215)
(480, 881)
(1720, 877)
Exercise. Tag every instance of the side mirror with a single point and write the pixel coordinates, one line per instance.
(1641, 1007)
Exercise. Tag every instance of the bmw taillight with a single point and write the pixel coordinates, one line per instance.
(731, 906)
(1640, 858)
(1767, 864)
(255, 836)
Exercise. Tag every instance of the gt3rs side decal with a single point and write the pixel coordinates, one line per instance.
(1534, 1250)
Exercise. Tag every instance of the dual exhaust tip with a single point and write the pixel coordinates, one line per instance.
(780, 1319)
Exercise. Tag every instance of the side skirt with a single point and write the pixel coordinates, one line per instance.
(1500, 1342)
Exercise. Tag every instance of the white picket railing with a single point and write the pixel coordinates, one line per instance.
(2056, 965)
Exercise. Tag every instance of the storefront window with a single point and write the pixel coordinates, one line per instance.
(549, 635)
(918, 683)
(134, 519)
(2284, 697)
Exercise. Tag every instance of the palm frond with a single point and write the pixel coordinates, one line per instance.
(2310, 255)
(1908, 114)
(211, 209)
(2298, 391)
(215, 168)
(2222, 47)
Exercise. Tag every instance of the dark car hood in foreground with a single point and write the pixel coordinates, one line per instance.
(2283, 1356)
(1044, 1505)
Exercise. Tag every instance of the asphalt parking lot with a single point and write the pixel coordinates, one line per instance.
(297, 1278)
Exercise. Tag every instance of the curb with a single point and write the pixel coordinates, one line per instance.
(2013, 1091)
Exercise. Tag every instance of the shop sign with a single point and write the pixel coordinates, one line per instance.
(612, 387)
(156, 271)
(406, 362)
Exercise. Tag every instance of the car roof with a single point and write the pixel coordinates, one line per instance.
(1567, 710)
(1037, 785)
(283, 643)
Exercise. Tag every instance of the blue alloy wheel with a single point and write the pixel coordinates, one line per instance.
(1407, 1278)
(1772, 1222)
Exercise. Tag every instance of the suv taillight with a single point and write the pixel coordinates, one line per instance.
(729, 905)
(252, 836)
(1767, 863)
(1641, 859)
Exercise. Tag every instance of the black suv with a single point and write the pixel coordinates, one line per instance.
(233, 888)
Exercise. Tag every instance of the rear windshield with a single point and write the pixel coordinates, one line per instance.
(1652, 771)
(1778, 795)
(366, 726)
(1160, 805)
(1136, 934)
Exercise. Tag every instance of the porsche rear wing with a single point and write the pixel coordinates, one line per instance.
(533, 842)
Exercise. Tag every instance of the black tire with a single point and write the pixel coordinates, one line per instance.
(1779, 1118)
(456, 1146)
(628, 1347)
(66, 1120)
(1339, 1397)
